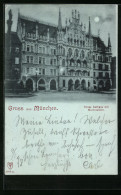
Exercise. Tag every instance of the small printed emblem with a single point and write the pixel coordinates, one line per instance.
(10, 165)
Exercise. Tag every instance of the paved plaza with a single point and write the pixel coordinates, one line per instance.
(64, 97)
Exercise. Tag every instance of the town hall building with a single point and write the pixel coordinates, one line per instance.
(62, 57)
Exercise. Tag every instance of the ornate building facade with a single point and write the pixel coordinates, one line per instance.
(63, 58)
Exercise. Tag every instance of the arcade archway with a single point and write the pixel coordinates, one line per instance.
(77, 85)
(83, 84)
(41, 84)
(29, 85)
(53, 85)
(101, 85)
(107, 85)
(70, 85)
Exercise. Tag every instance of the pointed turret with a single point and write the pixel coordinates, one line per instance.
(109, 42)
(59, 21)
(89, 30)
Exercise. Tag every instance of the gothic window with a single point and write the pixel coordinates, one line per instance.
(32, 48)
(28, 47)
(54, 52)
(93, 57)
(50, 61)
(54, 61)
(27, 59)
(63, 62)
(64, 51)
(71, 62)
(23, 46)
(39, 70)
(51, 71)
(83, 43)
(70, 52)
(100, 66)
(85, 63)
(55, 72)
(83, 54)
(106, 67)
(100, 74)
(78, 62)
(71, 40)
(43, 71)
(31, 59)
(101, 58)
(43, 49)
(40, 49)
(31, 70)
(43, 60)
(40, 60)
(27, 70)
(63, 83)
(94, 66)
(78, 42)
(76, 53)
(107, 75)
(106, 59)
(94, 82)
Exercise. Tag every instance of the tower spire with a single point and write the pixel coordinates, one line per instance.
(109, 42)
(59, 21)
(89, 30)
(9, 21)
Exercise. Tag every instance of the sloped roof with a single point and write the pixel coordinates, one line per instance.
(14, 38)
(30, 26)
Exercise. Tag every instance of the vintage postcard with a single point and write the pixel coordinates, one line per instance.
(61, 89)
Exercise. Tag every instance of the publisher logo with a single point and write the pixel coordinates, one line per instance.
(10, 165)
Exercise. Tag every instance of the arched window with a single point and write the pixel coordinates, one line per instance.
(63, 62)
(64, 51)
(70, 52)
(76, 53)
(83, 43)
(82, 54)
(93, 57)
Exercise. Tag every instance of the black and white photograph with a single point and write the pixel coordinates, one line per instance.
(60, 52)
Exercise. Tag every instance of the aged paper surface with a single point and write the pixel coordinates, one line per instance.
(60, 88)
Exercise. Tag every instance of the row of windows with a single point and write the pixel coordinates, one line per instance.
(101, 58)
(61, 51)
(78, 43)
(39, 71)
(101, 67)
(77, 73)
(30, 59)
(101, 75)
(40, 49)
